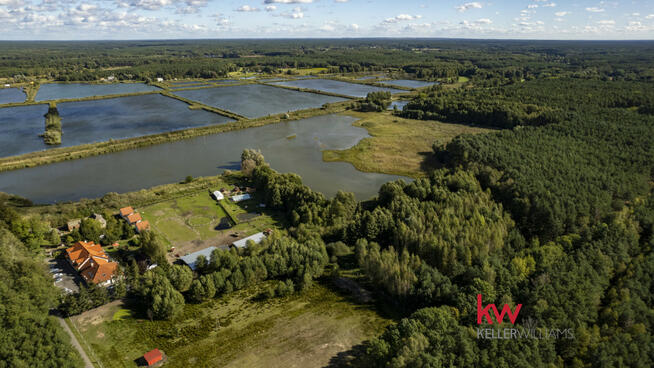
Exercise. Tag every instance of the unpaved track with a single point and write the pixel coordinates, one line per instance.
(76, 344)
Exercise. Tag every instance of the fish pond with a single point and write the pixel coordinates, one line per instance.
(333, 86)
(57, 91)
(255, 100)
(293, 146)
(99, 120)
(11, 95)
(408, 83)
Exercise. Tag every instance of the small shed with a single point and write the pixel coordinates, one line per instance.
(256, 238)
(218, 195)
(73, 224)
(99, 218)
(153, 357)
(240, 197)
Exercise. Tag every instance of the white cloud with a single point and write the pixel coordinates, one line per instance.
(353, 27)
(150, 4)
(561, 13)
(327, 28)
(595, 9)
(532, 6)
(483, 21)
(270, 8)
(468, 6)
(401, 17)
(651, 16)
(606, 22)
(288, 1)
(247, 8)
(295, 14)
(341, 1)
(549, 5)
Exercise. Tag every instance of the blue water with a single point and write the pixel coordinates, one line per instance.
(55, 91)
(333, 86)
(255, 100)
(98, 120)
(408, 83)
(9, 95)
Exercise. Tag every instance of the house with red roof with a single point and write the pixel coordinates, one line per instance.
(92, 263)
(142, 226)
(126, 211)
(134, 218)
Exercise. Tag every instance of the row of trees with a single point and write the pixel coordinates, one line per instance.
(30, 336)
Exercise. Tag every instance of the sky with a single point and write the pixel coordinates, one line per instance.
(169, 19)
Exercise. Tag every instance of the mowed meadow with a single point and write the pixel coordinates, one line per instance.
(315, 328)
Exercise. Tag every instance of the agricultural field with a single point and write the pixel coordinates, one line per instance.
(194, 222)
(315, 328)
(398, 146)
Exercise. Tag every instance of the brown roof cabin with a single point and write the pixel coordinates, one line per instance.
(134, 218)
(153, 357)
(126, 211)
(142, 226)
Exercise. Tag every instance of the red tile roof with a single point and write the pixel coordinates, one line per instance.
(90, 260)
(153, 356)
(125, 211)
(134, 218)
(143, 225)
(81, 251)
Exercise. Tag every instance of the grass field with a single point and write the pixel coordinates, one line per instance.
(191, 223)
(303, 330)
(397, 146)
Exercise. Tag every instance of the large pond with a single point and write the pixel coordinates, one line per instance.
(255, 100)
(408, 83)
(333, 86)
(293, 146)
(56, 91)
(9, 95)
(99, 120)
(20, 128)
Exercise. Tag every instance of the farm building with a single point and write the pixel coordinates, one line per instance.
(142, 226)
(134, 218)
(191, 259)
(256, 238)
(240, 197)
(218, 195)
(126, 211)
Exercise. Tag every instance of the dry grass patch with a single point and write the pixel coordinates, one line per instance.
(398, 146)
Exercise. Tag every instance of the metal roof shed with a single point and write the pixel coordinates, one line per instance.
(191, 259)
(256, 238)
(240, 197)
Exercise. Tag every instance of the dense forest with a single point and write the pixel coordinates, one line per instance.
(553, 211)
(489, 61)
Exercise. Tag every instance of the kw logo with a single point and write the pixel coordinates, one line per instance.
(484, 312)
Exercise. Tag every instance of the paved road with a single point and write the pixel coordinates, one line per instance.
(76, 344)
